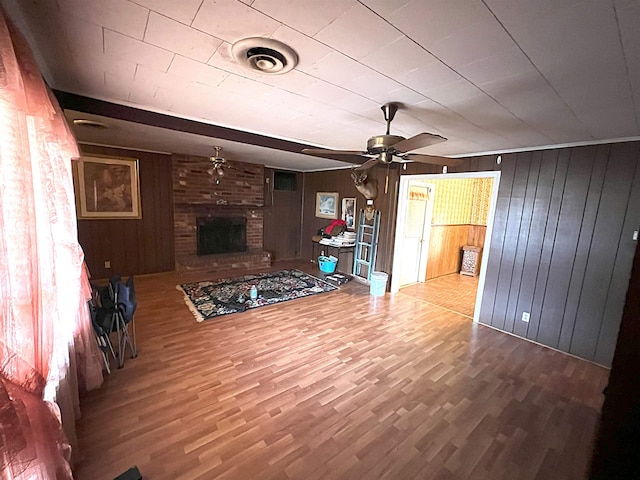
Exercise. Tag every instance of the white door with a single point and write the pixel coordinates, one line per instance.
(415, 242)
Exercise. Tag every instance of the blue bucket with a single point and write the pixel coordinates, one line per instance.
(327, 265)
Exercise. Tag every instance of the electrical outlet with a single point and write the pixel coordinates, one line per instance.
(107, 264)
(525, 317)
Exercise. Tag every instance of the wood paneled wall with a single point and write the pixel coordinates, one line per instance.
(477, 234)
(445, 249)
(340, 181)
(457, 204)
(282, 218)
(134, 246)
(562, 246)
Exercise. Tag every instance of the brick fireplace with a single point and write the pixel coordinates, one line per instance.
(197, 195)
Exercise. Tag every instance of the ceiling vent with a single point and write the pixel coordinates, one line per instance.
(264, 55)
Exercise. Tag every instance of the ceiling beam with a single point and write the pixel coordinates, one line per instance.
(72, 101)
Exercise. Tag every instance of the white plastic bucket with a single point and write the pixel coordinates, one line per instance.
(378, 284)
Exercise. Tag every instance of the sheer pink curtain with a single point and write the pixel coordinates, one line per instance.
(46, 341)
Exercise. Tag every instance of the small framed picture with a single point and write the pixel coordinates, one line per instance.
(326, 205)
(107, 188)
(349, 212)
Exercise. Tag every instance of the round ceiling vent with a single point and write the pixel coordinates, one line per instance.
(264, 55)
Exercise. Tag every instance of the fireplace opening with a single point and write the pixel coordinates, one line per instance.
(221, 235)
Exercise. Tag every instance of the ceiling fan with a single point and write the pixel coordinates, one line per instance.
(383, 148)
(219, 164)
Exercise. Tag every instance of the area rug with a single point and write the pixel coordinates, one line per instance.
(211, 299)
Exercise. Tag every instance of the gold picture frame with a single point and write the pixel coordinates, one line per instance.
(107, 188)
(327, 205)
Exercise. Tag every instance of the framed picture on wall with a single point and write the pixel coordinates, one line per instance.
(349, 212)
(326, 205)
(107, 188)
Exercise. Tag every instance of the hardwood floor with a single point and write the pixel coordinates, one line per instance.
(337, 385)
(455, 292)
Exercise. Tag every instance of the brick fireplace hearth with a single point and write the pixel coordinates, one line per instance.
(196, 194)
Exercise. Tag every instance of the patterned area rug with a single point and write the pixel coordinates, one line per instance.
(212, 299)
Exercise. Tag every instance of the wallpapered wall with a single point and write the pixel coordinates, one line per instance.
(481, 198)
(461, 201)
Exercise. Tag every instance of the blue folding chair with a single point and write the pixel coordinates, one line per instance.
(115, 307)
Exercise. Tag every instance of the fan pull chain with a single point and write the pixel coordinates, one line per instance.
(386, 181)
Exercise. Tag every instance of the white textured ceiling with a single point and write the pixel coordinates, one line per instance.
(491, 75)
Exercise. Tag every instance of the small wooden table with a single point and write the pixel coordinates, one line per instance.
(317, 248)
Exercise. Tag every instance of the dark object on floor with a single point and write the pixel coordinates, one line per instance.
(132, 474)
(238, 305)
(269, 294)
(211, 299)
(337, 278)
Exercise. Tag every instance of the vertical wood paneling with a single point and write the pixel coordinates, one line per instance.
(624, 255)
(282, 220)
(531, 262)
(496, 242)
(129, 256)
(445, 249)
(509, 246)
(557, 184)
(134, 246)
(584, 244)
(477, 234)
(340, 181)
(602, 254)
(564, 250)
(562, 230)
(389, 203)
(558, 248)
(328, 181)
(525, 233)
(576, 265)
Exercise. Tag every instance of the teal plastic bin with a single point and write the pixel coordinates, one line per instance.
(378, 284)
(327, 265)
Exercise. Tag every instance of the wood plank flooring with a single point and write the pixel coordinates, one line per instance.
(455, 292)
(340, 385)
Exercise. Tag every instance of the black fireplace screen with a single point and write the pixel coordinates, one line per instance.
(221, 235)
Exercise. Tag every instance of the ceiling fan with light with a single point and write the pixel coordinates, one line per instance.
(219, 164)
(383, 148)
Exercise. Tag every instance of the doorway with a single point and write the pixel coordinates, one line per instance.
(282, 213)
(415, 232)
(409, 251)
